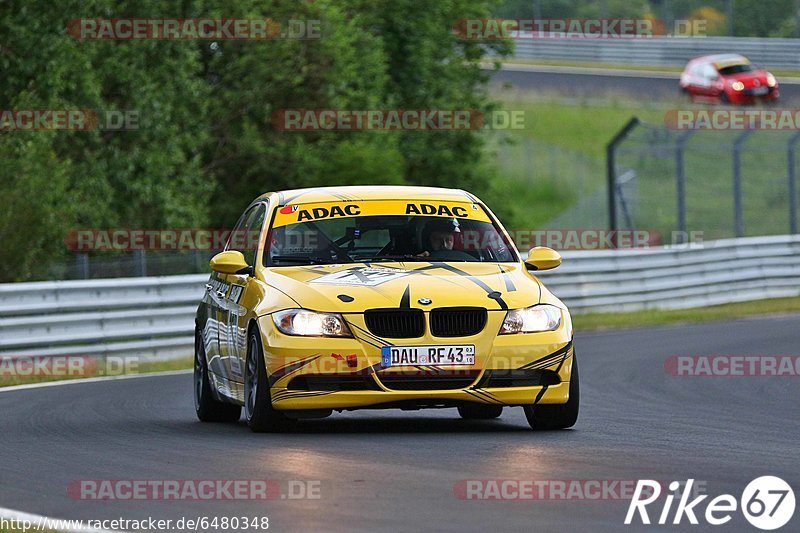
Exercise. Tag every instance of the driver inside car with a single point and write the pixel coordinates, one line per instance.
(440, 236)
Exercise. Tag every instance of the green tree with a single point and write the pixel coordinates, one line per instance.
(205, 143)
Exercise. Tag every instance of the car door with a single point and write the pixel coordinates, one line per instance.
(221, 291)
(213, 299)
(709, 77)
(246, 241)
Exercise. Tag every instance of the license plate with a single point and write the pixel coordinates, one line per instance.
(760, 90)
(461, 354)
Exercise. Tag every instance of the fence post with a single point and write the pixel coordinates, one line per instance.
(680, 183)
(738, 217)
(140, 263)
(611, 173)
(792, 183)
(82, 265)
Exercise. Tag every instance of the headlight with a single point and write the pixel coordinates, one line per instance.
(311, 324)
(737, 86)
(532, 319)
(771, 81)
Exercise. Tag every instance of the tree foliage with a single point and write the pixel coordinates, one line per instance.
(205, 145)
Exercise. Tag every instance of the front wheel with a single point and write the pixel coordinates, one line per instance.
(258, 410)
(208, 408)
(557, 416)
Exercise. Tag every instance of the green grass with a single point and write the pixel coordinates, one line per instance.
(585, 126)
(568, 139)
(716, 313)
(558, 157)
(590, 64)
(145, 367)
(789, 73)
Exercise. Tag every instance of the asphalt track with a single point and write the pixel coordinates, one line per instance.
(596, 83)
(396, 470)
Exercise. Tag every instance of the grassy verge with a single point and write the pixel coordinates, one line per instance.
(556, 158)
(144, 367)
(583, 126)
(597, 321)
(618, 66)
(590, 64)
(559, 157)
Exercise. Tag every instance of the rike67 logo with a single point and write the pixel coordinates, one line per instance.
(767, 503)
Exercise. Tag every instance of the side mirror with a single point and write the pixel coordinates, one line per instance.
(230, 262)
(542, 258)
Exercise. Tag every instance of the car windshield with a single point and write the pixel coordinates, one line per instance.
(327, 235)
(735, 69)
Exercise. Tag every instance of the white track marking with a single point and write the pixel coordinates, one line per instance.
(91, 380)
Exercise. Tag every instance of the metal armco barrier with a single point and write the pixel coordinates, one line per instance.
(716, 272)
(147, 317)
(675, 51)
(154, 317)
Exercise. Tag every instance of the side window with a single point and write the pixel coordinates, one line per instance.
(244, 237)
(709, 72)
(255, 223)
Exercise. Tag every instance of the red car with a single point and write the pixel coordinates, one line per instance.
(728, 78)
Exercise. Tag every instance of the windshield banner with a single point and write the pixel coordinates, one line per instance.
(293, 214)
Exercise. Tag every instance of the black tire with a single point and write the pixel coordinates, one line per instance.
(557, 416)
(723, 98)
(207, 407)
(258, 410)
(479, 411)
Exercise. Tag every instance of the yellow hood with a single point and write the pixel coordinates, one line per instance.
(352, 288)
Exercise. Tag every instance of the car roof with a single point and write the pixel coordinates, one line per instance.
(368, 192)
(729, 59)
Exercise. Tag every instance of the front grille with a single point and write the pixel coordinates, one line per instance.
(519, 378)
(443, 380)
(457, 321)
(333, 382)
(396, 323)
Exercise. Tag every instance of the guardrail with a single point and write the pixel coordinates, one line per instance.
(154, 317)
(675, 51)
(718, 272)
(148, 317)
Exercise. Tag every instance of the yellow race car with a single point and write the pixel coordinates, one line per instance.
(379, 297)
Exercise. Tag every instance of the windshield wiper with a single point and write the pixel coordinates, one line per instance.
(302, 259)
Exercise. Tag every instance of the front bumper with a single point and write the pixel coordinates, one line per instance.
(322, 373)
(748, 96)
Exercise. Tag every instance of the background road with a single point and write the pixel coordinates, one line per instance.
(583, 83)
(395, 470)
